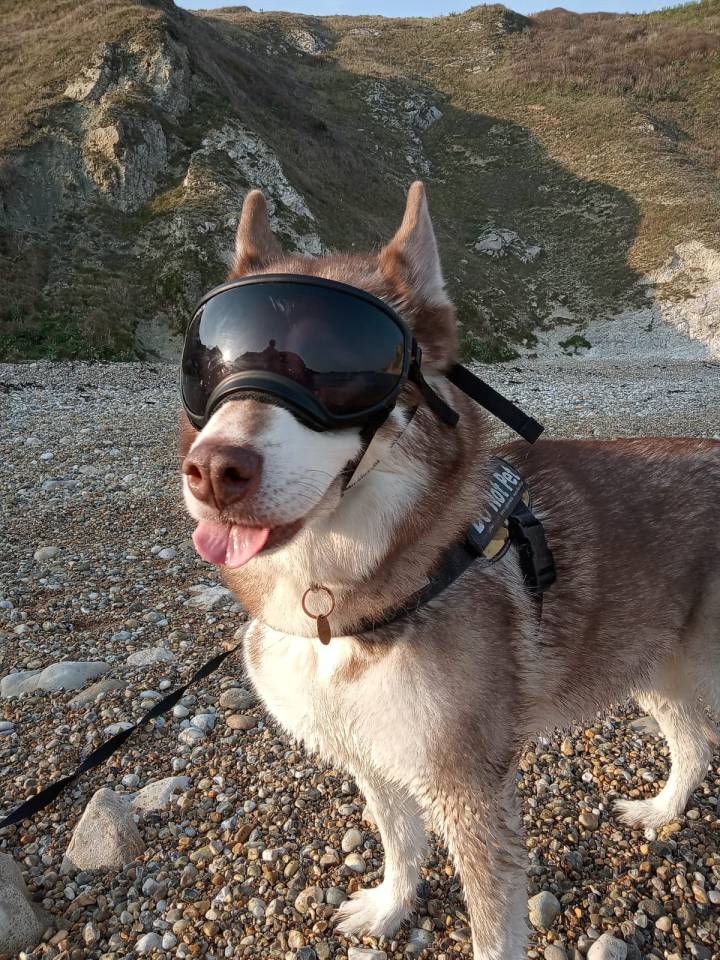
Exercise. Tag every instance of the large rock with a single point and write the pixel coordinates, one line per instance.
(70, 675)
(16, 684)
(106, 836)
(22, 923)
(67, 675)
(208, 597)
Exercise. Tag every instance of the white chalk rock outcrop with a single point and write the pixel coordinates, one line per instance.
(22, 923)
(106, 836)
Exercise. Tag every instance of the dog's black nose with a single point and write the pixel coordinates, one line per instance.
(222, 475)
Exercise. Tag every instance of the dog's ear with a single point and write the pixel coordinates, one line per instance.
(255, 244)
(413, 253)
(411, 264)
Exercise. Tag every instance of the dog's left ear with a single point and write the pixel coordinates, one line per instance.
(256, 245)
(411, 264)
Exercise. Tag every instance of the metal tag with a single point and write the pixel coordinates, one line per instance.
(323, 628)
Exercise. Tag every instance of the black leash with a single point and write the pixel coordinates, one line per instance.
(45, 797)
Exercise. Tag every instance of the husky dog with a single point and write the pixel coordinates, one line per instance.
(430, 713)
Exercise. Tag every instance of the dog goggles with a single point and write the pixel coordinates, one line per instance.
(334, 355)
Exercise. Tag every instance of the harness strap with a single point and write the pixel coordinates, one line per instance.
(508, 507)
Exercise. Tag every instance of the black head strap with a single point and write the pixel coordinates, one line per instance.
(479, 391)
(433, 399)
(495, 403)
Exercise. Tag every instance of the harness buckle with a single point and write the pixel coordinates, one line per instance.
(536, 559)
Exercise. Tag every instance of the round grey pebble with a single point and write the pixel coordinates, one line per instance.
(608, 947)
(335, 896)
(352, 840)
(555, 952)
(543, 908)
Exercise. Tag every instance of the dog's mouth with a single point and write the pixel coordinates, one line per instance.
(233, 545)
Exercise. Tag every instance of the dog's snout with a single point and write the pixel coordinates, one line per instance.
(222, 474)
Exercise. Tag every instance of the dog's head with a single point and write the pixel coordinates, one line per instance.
(255, 478)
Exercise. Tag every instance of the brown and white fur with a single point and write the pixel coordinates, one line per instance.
(431, 714)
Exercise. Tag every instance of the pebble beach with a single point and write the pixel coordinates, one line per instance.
(209, 833)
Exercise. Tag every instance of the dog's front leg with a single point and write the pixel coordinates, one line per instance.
(481, 825)
(379, 911)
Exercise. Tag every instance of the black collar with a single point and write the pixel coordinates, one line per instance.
(508, 520)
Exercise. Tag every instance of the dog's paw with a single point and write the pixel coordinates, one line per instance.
(371, 913)
(643, 813)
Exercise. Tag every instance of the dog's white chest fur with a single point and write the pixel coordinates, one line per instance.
(367, 719)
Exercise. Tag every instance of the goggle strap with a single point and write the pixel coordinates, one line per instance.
(494, 402)
(433, 399)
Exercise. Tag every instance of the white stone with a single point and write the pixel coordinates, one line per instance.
(191, 736)
(22, 924)
(118, 727)
(208, 597)
(158, 794)
(19, 683)
(67, 675)
(499, 242)
(608, 947)
(365, 953)
(645, 725)
(70, 675)
(46, 553)
(167, 553)
(144, 658)
(106, 836)
(352, 840)
(148, 943)
(203, 721)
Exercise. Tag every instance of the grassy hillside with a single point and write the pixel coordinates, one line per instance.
(566, 158)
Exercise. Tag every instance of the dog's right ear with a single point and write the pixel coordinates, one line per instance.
(255, 244)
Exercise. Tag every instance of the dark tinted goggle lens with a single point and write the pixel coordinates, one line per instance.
(344, 350)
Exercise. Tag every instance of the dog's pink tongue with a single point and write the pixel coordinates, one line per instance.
(229, 544)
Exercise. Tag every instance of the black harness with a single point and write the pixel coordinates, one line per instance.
(508, 520)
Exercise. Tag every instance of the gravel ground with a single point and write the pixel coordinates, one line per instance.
(89, 467)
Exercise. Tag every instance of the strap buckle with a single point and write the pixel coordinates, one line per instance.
(536, 559)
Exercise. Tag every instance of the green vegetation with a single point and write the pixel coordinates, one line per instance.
(575, 344)
(62, 336)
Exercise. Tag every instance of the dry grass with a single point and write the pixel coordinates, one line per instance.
(651, 57)
(43, 43)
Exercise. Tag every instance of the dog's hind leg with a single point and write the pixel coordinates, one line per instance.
(690, 736)
(379, 911)
(483, 834)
